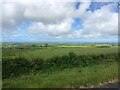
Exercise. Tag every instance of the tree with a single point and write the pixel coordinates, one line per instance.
(46, 45)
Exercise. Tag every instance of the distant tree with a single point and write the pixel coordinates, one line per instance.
(33, 45)
(113, 44)
(46, 45)
(92, 45)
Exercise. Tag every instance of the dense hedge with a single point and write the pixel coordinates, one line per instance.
(18, 66)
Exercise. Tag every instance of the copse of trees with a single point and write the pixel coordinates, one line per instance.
(42, 45)
(17, 66)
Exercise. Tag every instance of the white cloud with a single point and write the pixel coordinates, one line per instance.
(102, 23)
(53, 30)
(46, 12)
(14, 13)
(83, 7)
(54, 19)
(49, 12)
(36, 28)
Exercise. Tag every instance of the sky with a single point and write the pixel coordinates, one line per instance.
(30, 21)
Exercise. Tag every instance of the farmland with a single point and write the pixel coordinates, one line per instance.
(30, 51)
(40, 65)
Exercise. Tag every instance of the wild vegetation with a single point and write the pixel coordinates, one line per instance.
(70, 67)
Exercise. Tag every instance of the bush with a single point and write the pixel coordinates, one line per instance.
(15, 67)
(18, 66)
(72, 55)
(37, 64)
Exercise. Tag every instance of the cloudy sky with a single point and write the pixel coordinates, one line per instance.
(30, 21)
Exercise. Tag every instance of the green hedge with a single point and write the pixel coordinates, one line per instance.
(18, 66)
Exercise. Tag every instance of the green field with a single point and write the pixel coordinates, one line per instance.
(58, 65)
(50, 52)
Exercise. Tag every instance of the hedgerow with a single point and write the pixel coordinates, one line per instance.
(18, 66)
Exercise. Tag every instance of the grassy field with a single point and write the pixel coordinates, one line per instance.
(64, 51)
(59, 66)
(51, 52)
(76, 77)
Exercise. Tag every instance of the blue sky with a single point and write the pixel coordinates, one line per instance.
(62, 22)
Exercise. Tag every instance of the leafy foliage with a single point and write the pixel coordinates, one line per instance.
(18, 66)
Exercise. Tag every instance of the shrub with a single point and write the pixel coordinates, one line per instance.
(72, 55)
(18, 66)
(37, 64)
(13, 67)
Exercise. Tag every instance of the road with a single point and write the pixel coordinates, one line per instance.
(110, 85)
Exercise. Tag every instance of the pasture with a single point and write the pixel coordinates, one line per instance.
(50, 52)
